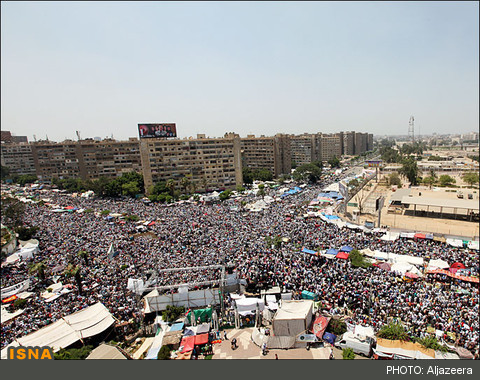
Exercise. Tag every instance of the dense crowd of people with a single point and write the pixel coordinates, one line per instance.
(196, 234)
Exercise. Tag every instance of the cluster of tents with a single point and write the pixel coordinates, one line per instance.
(27, 250)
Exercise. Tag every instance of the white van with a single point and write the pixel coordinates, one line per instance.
(358, 344)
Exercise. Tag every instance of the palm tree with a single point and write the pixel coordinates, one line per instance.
(84, 255)
(74, 271)
(205, 183)
(39, 270)
(185, 183)
(193, 187)
(170, 185)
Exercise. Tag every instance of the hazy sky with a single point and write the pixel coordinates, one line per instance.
(246, 67)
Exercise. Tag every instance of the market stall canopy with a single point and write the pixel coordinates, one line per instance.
(342, 255)
(458, 266)
(346, 248)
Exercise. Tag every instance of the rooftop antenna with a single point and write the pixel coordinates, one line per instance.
(78, 135)
(411, 128)
(35, 138)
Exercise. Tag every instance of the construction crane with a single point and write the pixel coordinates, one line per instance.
(411, 129)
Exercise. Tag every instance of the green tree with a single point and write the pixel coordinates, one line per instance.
(13, 211)
(318, 164)
(130, 189)
(26, 233)
(113, 188)
(171, 313)
(225, 195)
(294, 164)
(19, 303)
(334, 162)
(432, 343)
(337, 327)
(170, 185)
(357, 259)
(446, 180)
(240, 189)
(307, 173)
(394, 179)
(185, 183)
(429, 181)
(348, 354)
(26, 178)
(39, 270)
(84, 255)
(73, 353)
(409, 170)
(247, 175)
(263, 175)
(164, 353)
(393, 331)
(471, 179)
(4, 172)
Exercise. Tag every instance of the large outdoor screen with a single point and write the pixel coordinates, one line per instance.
(157, 130)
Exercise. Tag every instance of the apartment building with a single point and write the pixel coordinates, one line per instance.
(331, 146)
(267, 152)
(18, 158)
(209, 163)
(305, 148)
(349, 143)
(86, 159)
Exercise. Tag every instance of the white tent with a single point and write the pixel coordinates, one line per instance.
(248, 306)
(107, 352)
(379, 255)
(390, 236)
(293, 318)
(136, 286)
(405, 259)
(473, 245)
(66, 331)
(455, 243)
(367, 252)
(437, 264)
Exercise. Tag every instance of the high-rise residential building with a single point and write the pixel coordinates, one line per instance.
(18, 158)
(349, 143)
(208, 163)
(85, 159)
(360, 142)
(305, 148)
(331, 146)
(7, 137)
(109, 158)
(56, 160)
(267, 152)
(370, 142)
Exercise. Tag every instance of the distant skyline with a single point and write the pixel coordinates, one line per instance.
(247, 67)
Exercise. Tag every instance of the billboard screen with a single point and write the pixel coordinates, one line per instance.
(157, 130)
(374, 164)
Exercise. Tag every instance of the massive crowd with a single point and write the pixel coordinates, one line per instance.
(195, 234)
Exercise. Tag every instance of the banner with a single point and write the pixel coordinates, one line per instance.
(136, 286)
(15, 289)
(320, 325)
(157, 130)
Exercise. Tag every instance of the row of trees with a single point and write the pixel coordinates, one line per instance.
(250, 175)
(129, 184)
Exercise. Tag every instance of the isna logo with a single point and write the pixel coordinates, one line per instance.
(30, 353)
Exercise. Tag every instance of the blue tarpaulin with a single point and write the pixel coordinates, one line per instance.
(329, 337)
(331, 217)
(332, 251)
(346, 248)
(309, 251)
(176, 327)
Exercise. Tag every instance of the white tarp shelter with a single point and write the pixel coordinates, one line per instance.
(198, 298)
(455, 243)
(248, 306)
(390, 236)
(293, 318)
(82, 324)
(437, 264)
